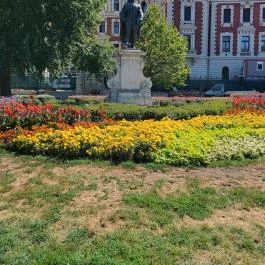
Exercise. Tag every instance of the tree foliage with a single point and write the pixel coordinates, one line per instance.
(41, 34)
(166, 50)
(95, 56)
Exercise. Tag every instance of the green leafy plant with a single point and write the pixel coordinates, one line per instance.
(166, 50)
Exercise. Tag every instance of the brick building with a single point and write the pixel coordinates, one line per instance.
(111, 24)
(225, 37)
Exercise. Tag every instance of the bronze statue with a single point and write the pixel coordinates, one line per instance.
(131, 17)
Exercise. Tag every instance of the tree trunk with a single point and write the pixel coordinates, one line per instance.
(5, 82)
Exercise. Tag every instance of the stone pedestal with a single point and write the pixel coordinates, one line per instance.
(129, 84)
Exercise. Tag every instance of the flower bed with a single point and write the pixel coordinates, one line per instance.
(199, 141)
(27, 113)
(31, 128)
(251, 102)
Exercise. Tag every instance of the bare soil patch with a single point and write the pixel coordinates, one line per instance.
(236, 216)
(97, 206)
(93, 208)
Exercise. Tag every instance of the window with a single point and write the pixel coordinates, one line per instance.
(263, 14)
(259, 66)
(227, 15)
(116, 5)
(102, 27)
(246, 15)
(187, 13)
(226, 43)
(245, 43)
(188, 38)
(262, 43)
(116, 28)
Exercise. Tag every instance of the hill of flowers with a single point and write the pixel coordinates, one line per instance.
(238, 134)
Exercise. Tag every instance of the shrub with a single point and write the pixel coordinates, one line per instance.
(175, 101)
(178, 112)
(83, 100)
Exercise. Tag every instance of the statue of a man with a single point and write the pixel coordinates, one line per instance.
(131, 17)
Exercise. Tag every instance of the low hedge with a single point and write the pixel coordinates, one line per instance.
(185, 111)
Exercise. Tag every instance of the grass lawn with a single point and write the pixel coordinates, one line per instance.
(79, 212)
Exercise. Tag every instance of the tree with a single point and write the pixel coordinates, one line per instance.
(41, 34)
(166, 50)
(95, 56)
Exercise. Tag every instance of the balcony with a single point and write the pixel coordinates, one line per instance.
(187, 28)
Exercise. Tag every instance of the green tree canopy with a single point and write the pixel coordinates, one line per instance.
(41, 34)
(166, 50)
(95, 56)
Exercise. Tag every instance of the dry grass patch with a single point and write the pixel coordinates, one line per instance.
(72, 213)
(244, 218)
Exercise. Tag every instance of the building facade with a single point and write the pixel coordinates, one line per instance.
(223, 36)
(226, 38)
(110, 25)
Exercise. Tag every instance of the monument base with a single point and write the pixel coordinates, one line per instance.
(129, 85)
